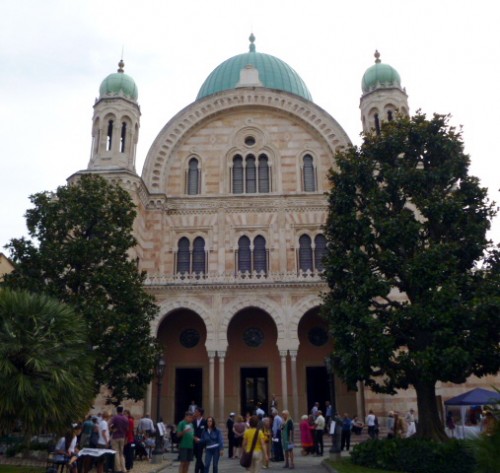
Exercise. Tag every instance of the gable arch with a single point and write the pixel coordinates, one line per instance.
(273, 309)
(307, 113)
(166, 307)
(305, 305)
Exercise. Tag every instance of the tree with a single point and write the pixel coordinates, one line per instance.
(408, 302)
(83, 235)
(46, 378)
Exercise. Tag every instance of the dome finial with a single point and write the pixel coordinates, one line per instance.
(377, 57)
(121, 65)
(252, 45)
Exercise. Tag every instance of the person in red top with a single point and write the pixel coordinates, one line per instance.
(129, 450)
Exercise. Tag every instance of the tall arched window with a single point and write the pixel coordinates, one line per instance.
(199, 255)
(123, 137)
(308, 174)
(244, 255)
(263, 173)
(251, 175)
(238, 175)
(109, 137)
(305, 253)
(183, 256)
(193, 177)
(377, 124)
(319, 251)
(260, 254)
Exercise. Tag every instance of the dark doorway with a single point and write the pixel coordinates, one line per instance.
(317, 387)
(253, 389)
(188, 387)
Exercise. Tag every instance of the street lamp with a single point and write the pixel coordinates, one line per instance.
(331, 382)
(335, 434)
(159, 371)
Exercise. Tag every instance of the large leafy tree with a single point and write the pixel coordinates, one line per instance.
(408, 302)
(78, 253)
(46, 378)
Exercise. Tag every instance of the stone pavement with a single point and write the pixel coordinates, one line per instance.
(308, 464)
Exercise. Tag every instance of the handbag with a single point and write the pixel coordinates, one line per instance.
(246, 457)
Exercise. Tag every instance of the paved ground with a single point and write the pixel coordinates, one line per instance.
(308, 464)
(302, 464)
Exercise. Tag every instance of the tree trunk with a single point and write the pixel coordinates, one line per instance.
(429, 424)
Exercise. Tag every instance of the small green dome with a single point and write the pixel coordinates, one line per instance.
(380, 75)
(273, 74)
(117, 83)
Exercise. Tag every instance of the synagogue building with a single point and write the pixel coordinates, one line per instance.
(231, 204)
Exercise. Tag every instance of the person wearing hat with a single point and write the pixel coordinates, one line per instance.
(230, 434)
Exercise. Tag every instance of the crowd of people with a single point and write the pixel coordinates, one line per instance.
(265, 437)
(118, 440)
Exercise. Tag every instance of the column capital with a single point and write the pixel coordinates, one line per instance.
(211, 354)
(293, 354)
(283, 353)
(221, 354)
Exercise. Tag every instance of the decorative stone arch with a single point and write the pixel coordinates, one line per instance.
(166, 307)
(309, 114)
(273, 309)
(308, 303)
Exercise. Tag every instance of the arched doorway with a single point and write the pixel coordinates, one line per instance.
(319, 385)
(182, 334)
(252, 360)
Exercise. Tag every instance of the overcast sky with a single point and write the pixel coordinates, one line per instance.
(55, 53)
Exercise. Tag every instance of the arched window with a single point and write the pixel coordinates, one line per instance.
(109, 137)
(123, 135)
(199, 256)
(308, 174)
(244, 255)
(251, 175)
(263, 173)
(305, 253)
(319, 251)
(193, 177)
(183, 256)
(377, 123)
(260, 254)
(238, 175)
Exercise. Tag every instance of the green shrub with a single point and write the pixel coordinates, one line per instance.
(415, 456)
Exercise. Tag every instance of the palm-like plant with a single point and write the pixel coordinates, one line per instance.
(45, 363)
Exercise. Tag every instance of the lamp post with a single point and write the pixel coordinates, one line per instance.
(159, 371)
(331, 382)
(335, 434)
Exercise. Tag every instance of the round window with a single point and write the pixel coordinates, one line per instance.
(249, 140)
(253, 337)
(318, 336)
(189, 338)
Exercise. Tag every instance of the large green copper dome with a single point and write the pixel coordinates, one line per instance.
(273, 74)
(380, 75)
(119, 83)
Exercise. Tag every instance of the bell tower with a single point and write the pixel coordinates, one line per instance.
(115, 124)
(383, 97)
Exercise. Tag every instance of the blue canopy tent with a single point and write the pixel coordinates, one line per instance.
(475, 397)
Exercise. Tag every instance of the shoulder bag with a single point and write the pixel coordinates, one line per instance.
(246, 457)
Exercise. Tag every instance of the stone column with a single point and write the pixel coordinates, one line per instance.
(295, 388)
(284, 384)
(211, 380)
(222, 356)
